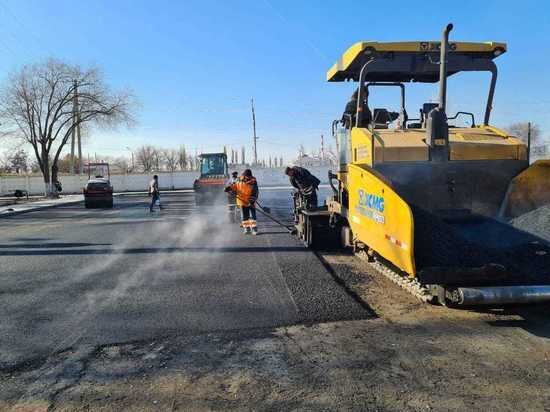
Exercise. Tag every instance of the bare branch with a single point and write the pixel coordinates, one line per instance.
(146, 157)
(521, 130)
(171, 159)
(37, 105)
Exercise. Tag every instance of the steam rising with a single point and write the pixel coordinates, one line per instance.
(208, 229)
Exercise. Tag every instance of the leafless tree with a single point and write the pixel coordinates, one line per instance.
(121, 163)
(64, 164)
(158, 160)
(35, 167)
(182, 158)
(37, 104)
(171, 159)
(4, 163)
(521, 129)
(194, 162)
(15, 161)
(146, 157)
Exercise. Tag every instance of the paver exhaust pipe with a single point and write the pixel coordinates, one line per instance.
(443, 67)
(437, 128)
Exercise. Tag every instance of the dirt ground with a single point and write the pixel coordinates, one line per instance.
(408, 357)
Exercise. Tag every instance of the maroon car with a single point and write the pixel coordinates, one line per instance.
(98, 192)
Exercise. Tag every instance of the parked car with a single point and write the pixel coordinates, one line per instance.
(98, 192)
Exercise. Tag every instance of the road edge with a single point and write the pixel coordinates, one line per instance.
(38, 208)
(72, 202)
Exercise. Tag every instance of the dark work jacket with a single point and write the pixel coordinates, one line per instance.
(351, 110)
(303, 180)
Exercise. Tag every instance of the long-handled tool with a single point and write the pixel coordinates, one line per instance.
(264, 210)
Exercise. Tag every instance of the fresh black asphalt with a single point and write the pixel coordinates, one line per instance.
(71, 276)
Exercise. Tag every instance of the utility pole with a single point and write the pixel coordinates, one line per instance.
(72, 149)
(254, 130)
(80, 165)
(529, 143)
(75, 135)
(73, 131)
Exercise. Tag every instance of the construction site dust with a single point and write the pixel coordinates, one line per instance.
(180, 245)
(151, 269)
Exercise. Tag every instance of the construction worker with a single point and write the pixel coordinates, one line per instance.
(154, 192)
(350, 112)
(231, 199)
(246, 193)
(306, 183)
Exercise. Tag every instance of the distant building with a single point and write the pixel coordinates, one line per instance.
(323, 158)
(305, 160)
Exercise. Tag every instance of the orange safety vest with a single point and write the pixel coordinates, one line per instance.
(243, 190)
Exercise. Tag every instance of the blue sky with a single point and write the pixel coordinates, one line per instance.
(194, 65)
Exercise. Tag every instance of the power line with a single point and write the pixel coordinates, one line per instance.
(254, 130)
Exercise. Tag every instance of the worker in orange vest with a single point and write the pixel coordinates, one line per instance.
(246, 193)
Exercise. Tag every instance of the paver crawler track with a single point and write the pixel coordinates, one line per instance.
(410, 285)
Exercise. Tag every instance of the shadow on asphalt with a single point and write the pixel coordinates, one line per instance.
(337, 277)
(30, 239)
(536, 326)
(51, 245)
(151, 250)
(534, 318)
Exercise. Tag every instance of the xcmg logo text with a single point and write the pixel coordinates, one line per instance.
(371, 201)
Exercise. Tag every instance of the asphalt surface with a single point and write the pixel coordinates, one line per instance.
(478, 241)
(71, 276)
